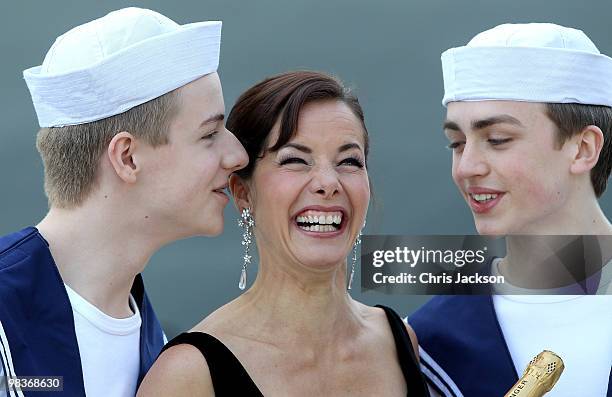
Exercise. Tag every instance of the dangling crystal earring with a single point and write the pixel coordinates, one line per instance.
(246, 223)
(354, 258)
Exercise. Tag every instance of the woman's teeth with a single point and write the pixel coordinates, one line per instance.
(319, 221)
(318, 228)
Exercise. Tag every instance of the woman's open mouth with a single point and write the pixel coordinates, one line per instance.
(319, 221)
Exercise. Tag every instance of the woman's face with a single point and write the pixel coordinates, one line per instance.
(310, 197)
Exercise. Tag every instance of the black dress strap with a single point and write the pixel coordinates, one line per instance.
(228, 376)
(406, 355)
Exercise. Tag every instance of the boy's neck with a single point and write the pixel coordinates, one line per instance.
(98, 253)
(540, 257)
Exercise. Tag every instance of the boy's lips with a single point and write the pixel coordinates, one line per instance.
(482, 202)
(220, 191)
(482, 190)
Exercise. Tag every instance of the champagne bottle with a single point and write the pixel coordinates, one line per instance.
(540, 376)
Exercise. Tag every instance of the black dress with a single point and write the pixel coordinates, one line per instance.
(229, 377)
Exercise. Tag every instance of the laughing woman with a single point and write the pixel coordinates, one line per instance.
(304, 195)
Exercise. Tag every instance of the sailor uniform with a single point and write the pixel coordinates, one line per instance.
(37, 330)
(462, 347)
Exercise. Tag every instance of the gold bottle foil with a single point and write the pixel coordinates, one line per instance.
(540, 376)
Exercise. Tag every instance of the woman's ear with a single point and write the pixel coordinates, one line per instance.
(240, 191)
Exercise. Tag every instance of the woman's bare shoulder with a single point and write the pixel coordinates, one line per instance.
(182, 370)
(179, 371)
(378, 316)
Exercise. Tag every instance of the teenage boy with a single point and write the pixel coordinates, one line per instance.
(136, 156)
(530, 125)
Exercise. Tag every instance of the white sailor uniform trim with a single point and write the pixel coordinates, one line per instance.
(437, 376)
(7, 362)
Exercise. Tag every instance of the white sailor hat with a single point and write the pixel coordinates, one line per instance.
(109, 65)
(536, 62)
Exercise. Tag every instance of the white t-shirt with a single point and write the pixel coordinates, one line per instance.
(109, 348)
(576, 327)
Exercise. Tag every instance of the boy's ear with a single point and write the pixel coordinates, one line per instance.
(589, 143)
(240, 191)
(121, 156)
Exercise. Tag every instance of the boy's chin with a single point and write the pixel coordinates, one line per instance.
(491, 228)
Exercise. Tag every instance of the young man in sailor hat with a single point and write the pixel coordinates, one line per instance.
(136, 156)
(529, 120)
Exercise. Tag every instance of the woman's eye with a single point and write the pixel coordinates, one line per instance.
(496, 142)
(352, 161)
(210, 135)
(292, 160)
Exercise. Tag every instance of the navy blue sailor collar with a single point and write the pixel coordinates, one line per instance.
(457, 334)
(36, 319)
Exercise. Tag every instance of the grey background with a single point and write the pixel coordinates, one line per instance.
(387, 50)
